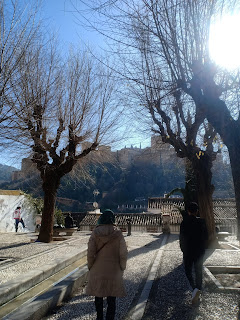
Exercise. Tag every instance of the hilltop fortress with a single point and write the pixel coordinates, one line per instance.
(159, 153)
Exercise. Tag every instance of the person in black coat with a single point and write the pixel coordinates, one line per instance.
(68, 221)
(193, 238)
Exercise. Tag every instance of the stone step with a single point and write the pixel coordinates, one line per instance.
(38, 301)
(13, 288)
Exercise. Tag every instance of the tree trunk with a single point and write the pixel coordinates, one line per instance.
(234, 154)
(202, 168)
(50, 185)
(219, 116)
(191, 194)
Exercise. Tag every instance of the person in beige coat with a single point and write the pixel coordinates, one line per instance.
(107, 258)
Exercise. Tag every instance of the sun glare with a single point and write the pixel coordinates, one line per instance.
(224, 42)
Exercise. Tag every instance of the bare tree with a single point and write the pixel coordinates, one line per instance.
(179, 124)
(178, 32)
(18, 31)
(62, 112)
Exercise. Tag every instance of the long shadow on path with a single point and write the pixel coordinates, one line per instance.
(170, 297)
(17, 245)
(152, 245)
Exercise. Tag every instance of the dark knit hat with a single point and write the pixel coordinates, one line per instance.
(193, 207)
(107, 217)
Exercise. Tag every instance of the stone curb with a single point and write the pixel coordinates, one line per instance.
(142, 302)
(221, 269)
(11, 289)
(37, 307)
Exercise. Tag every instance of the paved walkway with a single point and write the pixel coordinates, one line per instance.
(24, 255)
(168, 296)
(155, 281)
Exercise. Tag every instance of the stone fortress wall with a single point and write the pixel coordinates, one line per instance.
(158, 153)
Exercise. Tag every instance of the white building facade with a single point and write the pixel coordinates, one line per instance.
(9, 201)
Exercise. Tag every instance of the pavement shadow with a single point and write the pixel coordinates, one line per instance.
(170, 297)
(151, 245)
(17, 245)
(82, 306)
(79, 306)
(208, 253)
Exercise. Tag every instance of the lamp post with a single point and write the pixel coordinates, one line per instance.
(95, 204)
(95, 193)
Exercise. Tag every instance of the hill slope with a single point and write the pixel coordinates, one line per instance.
(6, 173)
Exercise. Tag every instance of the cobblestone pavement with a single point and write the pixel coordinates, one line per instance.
(24, 255)
(142, 250)
(170, 297)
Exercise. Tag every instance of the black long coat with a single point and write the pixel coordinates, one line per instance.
(193, 236)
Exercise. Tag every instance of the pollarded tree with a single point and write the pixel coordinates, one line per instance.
(175, 118)
(62, 111)
(192, 139)
(179, 34)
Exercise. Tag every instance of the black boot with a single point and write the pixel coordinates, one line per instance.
(99, 307)
(111, 301)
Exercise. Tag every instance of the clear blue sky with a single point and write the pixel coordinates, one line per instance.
(58, 16)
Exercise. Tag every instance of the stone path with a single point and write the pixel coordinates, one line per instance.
(142, 251)
(170, 297)
(27, 256)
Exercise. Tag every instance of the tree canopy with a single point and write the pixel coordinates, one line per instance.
(175, 35)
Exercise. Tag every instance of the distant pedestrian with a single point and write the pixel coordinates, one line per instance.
(107, 258)
(69, 221)
(193, 238)
(17, 217)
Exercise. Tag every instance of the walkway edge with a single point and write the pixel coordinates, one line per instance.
(11, 289)
(141, 304)
(38, 307)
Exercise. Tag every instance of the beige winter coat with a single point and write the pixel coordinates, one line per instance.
(107, 258)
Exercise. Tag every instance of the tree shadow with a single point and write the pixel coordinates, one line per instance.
(208, 253)
(76, 307)
(170, 297)
(81, 306)
(160, 304)
(17, 245)
(153, 245)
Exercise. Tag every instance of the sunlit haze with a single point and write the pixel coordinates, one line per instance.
(224, 42)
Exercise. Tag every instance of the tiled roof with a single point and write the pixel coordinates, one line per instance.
(11, 192)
